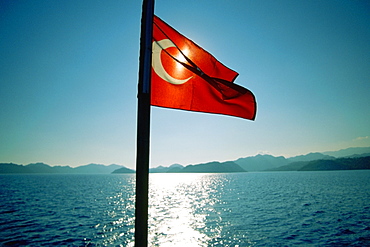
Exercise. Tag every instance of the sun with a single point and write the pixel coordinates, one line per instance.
(180, 57)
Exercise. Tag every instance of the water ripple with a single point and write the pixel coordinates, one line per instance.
(248, 209)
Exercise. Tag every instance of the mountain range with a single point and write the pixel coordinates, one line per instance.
(346, 159)
(265, 162)
(44, 168)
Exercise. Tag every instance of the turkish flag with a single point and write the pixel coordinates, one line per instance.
(184, 76)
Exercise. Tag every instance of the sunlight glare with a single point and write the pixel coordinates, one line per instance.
(173, 201)
(181, 58)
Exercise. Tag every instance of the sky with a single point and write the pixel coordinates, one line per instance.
(69, 74)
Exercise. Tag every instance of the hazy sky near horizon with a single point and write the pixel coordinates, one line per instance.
(69, 72)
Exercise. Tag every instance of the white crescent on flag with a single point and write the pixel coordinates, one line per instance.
(157, 62)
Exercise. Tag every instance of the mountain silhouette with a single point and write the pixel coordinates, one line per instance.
(338, 164)
(123, 170)
(162, 169)
(354, 158)
(310, 156)
(348, 152)
(261, 162)
(44, 168)
(213, 167)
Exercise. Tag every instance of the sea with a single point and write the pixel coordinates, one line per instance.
(323, 208)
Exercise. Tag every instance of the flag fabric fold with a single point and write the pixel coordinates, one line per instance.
(185, 76)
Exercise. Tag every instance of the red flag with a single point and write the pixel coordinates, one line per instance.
(184, 76)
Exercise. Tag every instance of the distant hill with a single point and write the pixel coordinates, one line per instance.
(123, 170)
(360, 163)
(30, 168)
(310, 156)
(272, 163)
(213, 167)
(13, 168)
(261, 162)
(162, 169)
(358, 155)
(349, 158)
(44, 168)
(97, 168)
(268, 162)
(175, 169)
(348, 152)
(338, 164)
(294, 166)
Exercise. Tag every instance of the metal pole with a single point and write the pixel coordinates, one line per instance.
(143, 126)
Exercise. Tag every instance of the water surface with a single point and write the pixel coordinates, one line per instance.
(243, 209)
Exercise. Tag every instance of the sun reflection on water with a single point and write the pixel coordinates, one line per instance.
(179, 207)
(116, 226)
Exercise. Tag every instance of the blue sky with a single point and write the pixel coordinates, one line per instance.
(69, 72)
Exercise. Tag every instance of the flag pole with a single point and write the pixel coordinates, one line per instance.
(143, 125)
